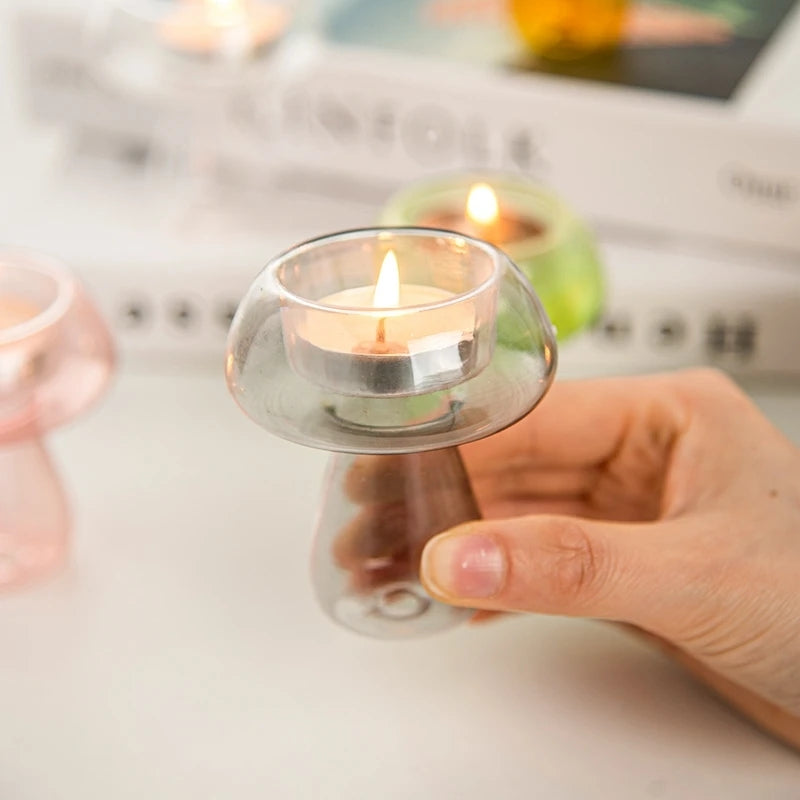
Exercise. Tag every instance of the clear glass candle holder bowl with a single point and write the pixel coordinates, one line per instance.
(470, 362)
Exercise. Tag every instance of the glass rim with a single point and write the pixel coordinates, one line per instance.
(496, 256)
(49, 267)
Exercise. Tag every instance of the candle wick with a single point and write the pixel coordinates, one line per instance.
(380, 332)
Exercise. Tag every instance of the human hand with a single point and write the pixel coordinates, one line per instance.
(668, 503)
(401, 500)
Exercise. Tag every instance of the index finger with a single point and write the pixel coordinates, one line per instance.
(578, 424)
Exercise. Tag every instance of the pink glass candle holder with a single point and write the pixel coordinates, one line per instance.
(55, 359)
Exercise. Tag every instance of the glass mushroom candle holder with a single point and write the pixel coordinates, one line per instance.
(184, 69)
(147, 42)
(532, 225)
(389, 347)
(55, 359)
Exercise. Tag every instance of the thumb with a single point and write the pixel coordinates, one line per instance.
(564, 565)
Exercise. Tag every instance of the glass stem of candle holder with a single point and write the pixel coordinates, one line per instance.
(34, 517)
(377, 514)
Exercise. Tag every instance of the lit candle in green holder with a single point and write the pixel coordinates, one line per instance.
(541, 235)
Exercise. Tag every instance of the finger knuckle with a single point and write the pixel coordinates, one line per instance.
(575, 564)
(713, 381)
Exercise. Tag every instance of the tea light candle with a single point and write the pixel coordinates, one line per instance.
(228, 27)
(530, 224)
(483, 218)
(390, 339)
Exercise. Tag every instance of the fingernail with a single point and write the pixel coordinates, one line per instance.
(464, 565)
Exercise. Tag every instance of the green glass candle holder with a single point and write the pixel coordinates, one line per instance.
(548, 242)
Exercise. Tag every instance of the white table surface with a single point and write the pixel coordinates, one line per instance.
(181, 654)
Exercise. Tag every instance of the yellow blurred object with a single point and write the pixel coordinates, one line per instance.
(565, 29)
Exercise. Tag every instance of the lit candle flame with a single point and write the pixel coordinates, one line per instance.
(387, 287)
(482, 206)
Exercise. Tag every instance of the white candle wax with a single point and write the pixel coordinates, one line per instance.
(402, 325)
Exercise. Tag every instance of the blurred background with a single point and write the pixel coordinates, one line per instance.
(166, 165)
(644, 158)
